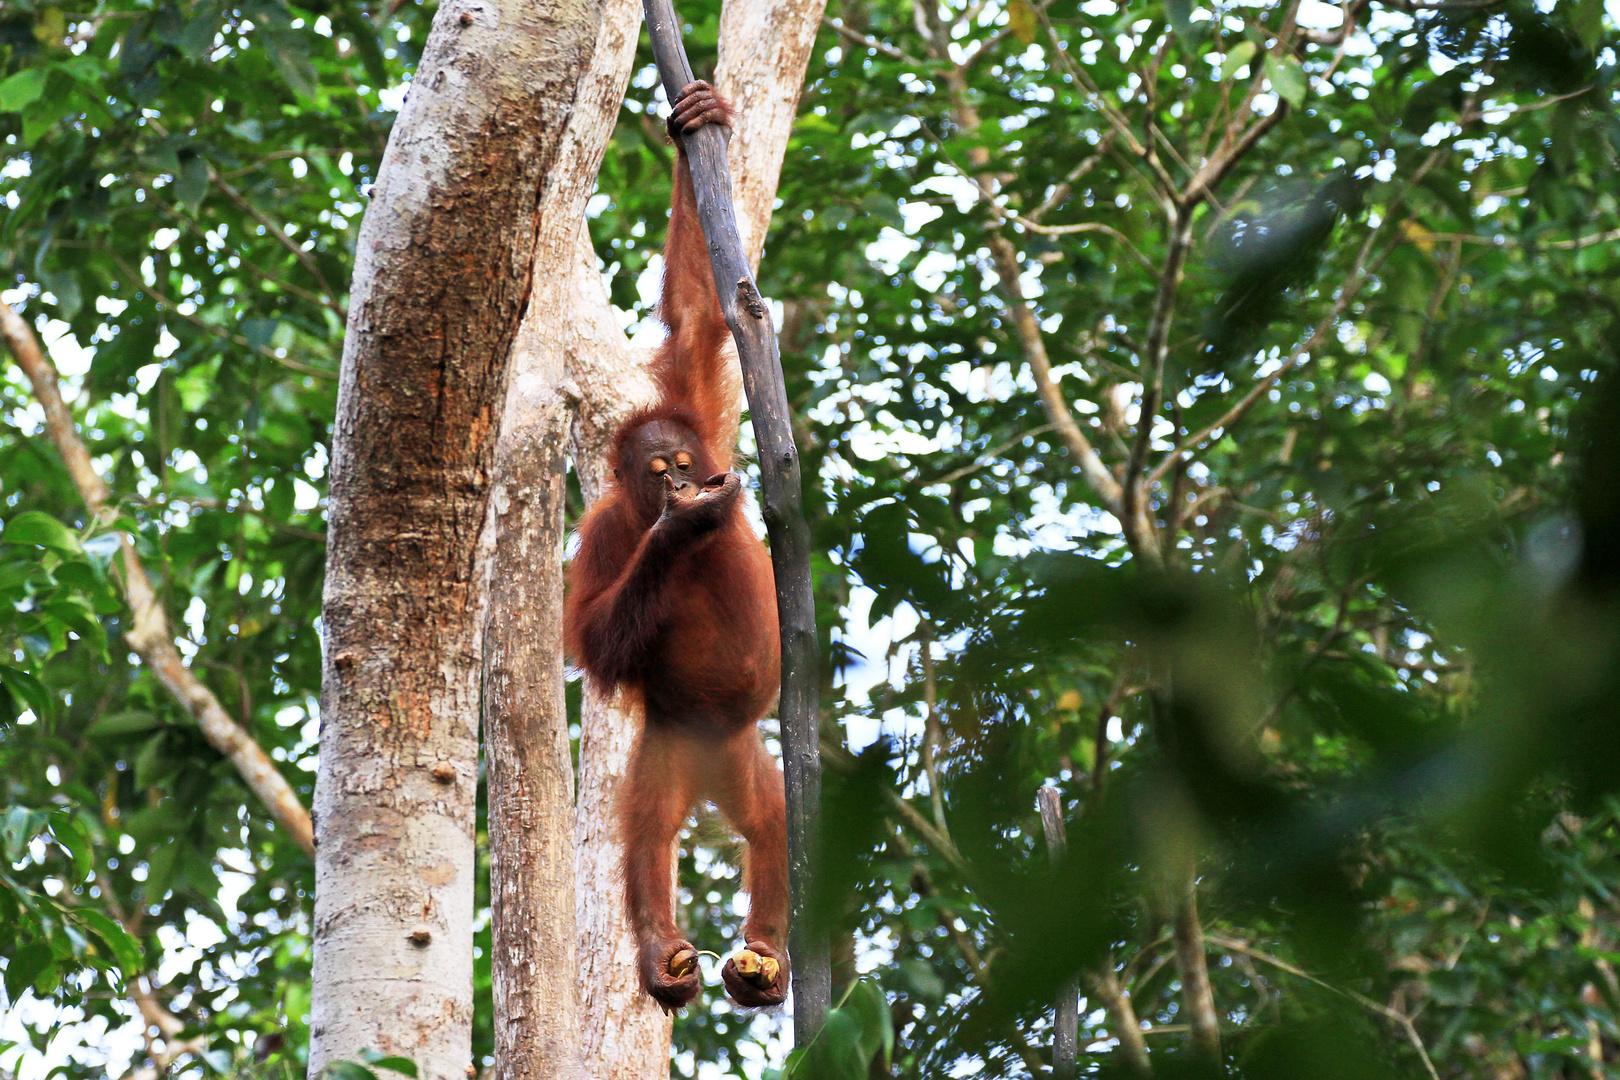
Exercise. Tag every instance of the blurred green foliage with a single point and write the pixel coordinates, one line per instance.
(1367, 697)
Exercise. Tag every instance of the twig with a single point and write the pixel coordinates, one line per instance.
(1514, 110)
(978, 967)
(932, 731)
(149, 633)
(153, 1013)
(985, 458)
(1110, 708)
(1138, 523)
(245, 204)
(1116, 999)
(1400, 1018)
(1030, 337)
(1068, 230)
(1496, 241)
(1353, 282)
(1192, 965)
(170, 305)
(870, 42)
(248, 264)
(1066, 185)
(241, 507)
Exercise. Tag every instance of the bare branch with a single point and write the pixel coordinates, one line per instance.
(1197, 998)
(1106, 986)
(249, 264)
(867, 41)
(1136, 520)
(985, 458)
(1066, 186)
(1399, 1018)
(1575, 244)
(1029, 335)
(174, 308)
(933, 731)
(305, 259)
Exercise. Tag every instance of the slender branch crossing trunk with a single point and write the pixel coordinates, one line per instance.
(442, 276)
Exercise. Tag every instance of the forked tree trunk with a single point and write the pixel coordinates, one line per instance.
(442, 275)
(764, 49)
(535, 964)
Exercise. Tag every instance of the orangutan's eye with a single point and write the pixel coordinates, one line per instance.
(683, 461)
(659, 466)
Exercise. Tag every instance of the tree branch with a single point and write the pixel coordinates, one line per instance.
(172, 306)
(305, 259)
(1405, 1022)
(149, 635)
(1197, 997)
(867, 41)
(1066, 1014)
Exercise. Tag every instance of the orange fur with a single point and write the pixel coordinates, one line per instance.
(671, 595)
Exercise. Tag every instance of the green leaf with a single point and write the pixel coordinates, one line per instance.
(38, 118)
(866, 1003)
(1237, 59)
(348, 1070)
(22, 89)
(132, 722)
(160, 867)
(1589, 22)
(288, 53)
(124, 947)
(18, 827)
(24, 967)
(382, 1061)
(151, 765)
(192, 184)
(64, 285)
(1287, 78)
(35, 527)
(28, 691)
(74, 835)
(1179, 12)
(835, 1054)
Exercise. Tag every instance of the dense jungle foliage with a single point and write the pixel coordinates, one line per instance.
(1208, 414)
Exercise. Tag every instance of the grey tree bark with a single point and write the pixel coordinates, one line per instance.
(535, 965)
(442, 276)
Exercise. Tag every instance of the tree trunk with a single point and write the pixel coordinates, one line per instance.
(765, 47)
(536, 966)
(442, 275)
(530, 762)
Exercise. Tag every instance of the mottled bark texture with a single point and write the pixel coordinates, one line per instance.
(535, 964)
(442, 276)
(530, 764)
